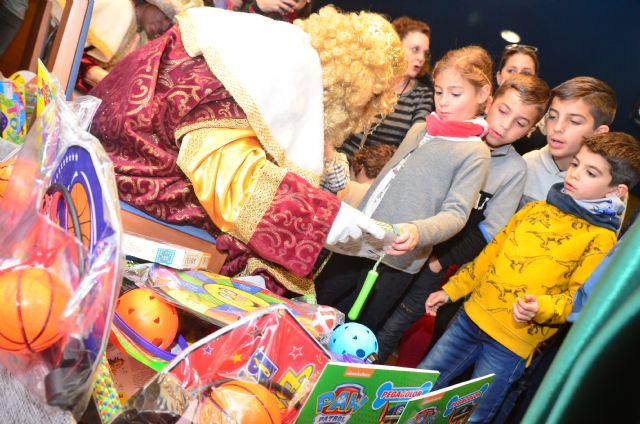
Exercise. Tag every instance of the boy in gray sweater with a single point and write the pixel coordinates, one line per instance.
(580, 107)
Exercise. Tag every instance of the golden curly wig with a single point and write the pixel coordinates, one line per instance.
(362, 59)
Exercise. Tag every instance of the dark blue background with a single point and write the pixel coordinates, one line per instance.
(593, 37)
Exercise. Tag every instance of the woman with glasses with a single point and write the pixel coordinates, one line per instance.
(517, 59)
(522, 59)
(415, 99)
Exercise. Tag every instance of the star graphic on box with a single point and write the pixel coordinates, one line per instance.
(256, 332)
(295, 352)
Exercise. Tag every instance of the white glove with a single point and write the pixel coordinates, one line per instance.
(349, 224)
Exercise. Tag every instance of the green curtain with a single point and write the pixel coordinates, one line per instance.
(594, 377)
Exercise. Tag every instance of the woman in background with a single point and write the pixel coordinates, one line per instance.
(517, 59)
(522, 59)
(415, 99)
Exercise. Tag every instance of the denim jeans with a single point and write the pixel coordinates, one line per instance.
(464, 345)
(410, 309)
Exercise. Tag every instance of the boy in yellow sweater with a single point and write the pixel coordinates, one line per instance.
(522, 284)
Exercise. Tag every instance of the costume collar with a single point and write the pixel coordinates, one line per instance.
(477, 127)
(281, 93)
(604, 212)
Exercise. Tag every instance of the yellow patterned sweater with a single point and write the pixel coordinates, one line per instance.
(542, 251)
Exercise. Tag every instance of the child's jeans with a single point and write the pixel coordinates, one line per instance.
(464, 345)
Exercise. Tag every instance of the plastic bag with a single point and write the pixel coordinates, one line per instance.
(60, 247)
(262, 360)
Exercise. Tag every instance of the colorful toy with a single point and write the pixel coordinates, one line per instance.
(247, 403)
(222, 300)
(149, 316)
(372, 276)
(33, 300)
(105, 392)
(354, 339)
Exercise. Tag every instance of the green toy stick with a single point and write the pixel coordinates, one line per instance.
(372, 276)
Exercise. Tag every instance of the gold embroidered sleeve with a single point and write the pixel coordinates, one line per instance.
(289, 280)
(231, 177)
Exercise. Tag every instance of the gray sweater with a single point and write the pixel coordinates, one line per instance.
(435, 190)
(502, 190)
(542, 173)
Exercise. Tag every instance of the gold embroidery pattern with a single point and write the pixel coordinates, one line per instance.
(311, 177)
(267, 182)
(256, 121)
(290, 281)
(213, 123)
(189, 149)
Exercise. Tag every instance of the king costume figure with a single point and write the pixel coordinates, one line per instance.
(227, 121)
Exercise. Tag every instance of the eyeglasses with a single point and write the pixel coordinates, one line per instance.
(415, 50)
(520, 46)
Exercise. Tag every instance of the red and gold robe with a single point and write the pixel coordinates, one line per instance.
(185, 152)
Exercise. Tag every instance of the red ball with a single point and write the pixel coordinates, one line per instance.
(247, 403)
(148, 315)
(32, 301)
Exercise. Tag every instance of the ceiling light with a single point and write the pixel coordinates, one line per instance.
(509, 36)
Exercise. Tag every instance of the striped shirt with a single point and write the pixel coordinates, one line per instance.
(412, 107)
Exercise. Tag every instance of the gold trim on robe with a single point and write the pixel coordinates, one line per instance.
(290, 281)
(211, 123)
(235, 193)
(257, 122)
(264, 188)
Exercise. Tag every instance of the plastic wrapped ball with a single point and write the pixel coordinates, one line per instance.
(148, 315)
(247, 403)
(32, 303)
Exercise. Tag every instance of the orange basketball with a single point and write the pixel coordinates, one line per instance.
(247, 403)
(32, 301)
(148, 315)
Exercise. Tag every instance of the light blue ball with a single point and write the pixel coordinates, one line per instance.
(353, 339)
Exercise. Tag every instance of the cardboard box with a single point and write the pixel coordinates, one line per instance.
(171, 255)
(136, 224)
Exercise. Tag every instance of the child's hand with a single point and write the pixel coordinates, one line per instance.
(434, 301)
(525, 309)
(406, 241)
(434, 265)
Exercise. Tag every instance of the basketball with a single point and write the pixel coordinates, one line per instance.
(247, 403)
(148, 315)
(32, 301)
